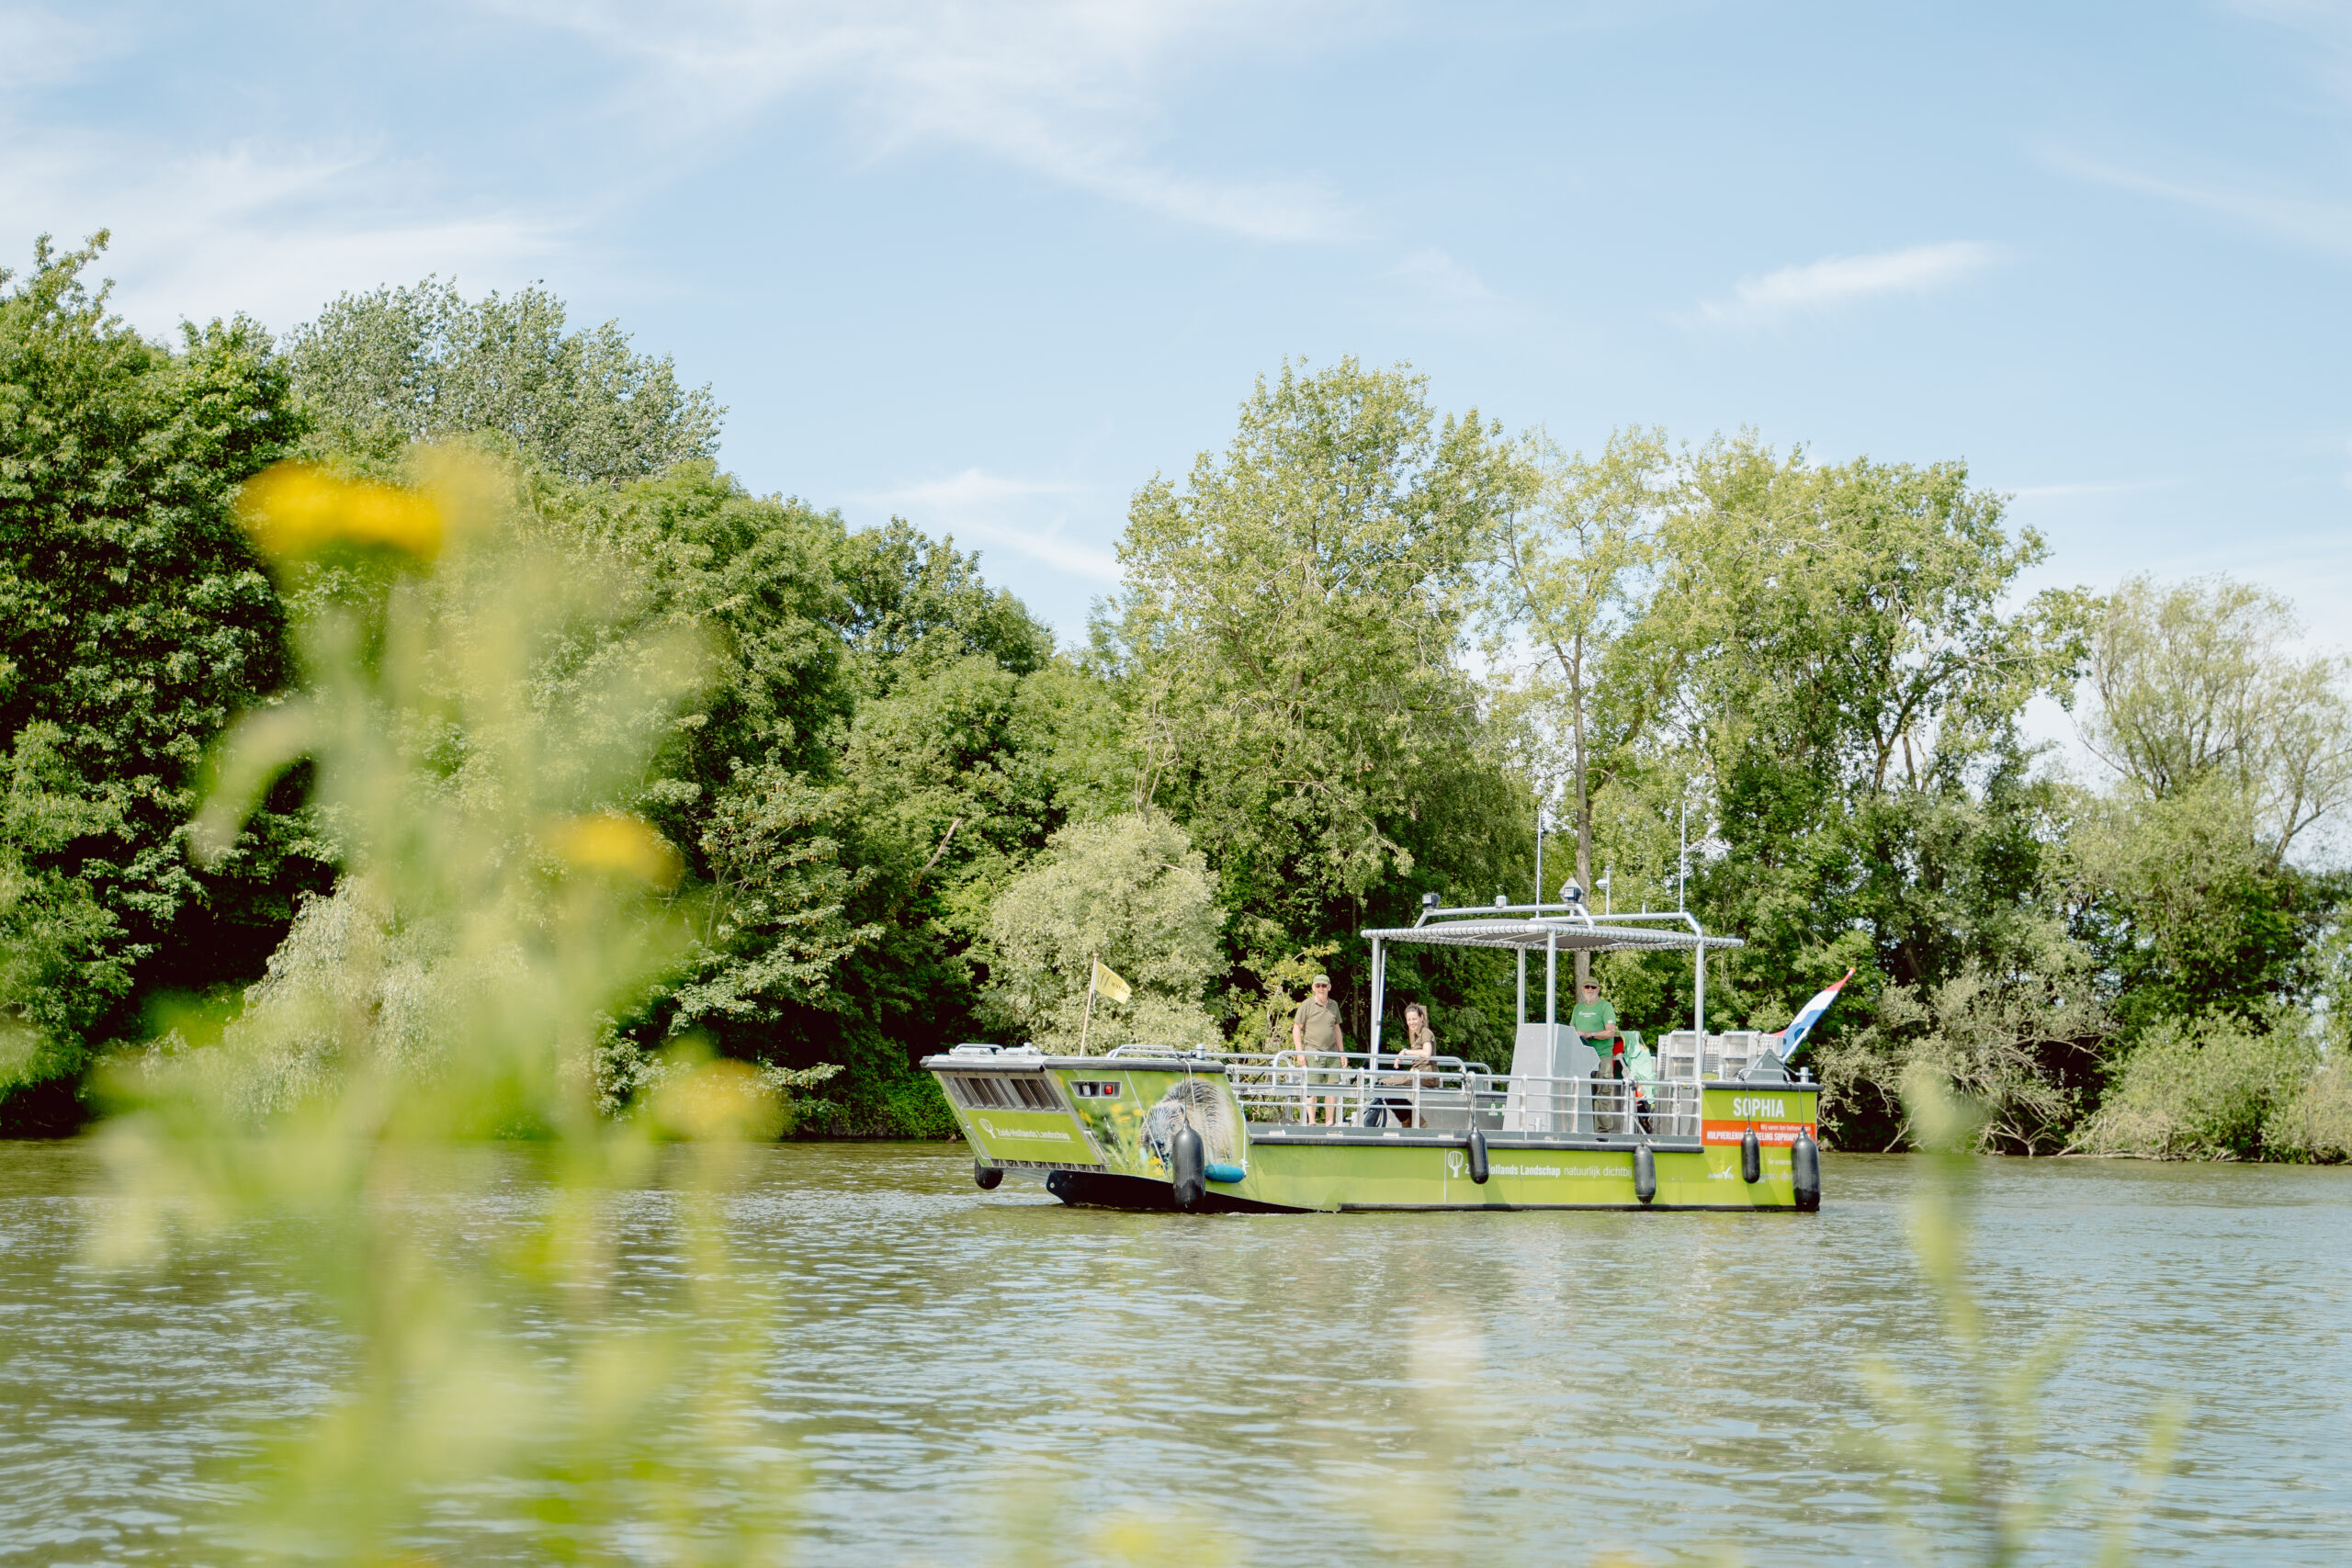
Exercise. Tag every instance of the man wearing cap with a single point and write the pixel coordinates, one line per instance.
(1315, 1027)
(1595, 1020)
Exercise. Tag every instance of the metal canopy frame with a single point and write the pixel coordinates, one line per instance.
(1528, 928)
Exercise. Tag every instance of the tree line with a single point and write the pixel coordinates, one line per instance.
(1357, 656)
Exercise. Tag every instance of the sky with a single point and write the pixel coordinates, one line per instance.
(992, 267)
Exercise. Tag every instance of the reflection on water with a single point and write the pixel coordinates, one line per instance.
(974, 1377)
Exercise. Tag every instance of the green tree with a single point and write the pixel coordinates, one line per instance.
(1288, 648)
(1573, 571)
(2177, 896)
(914, 606)
(857, 777)
(2230, 742)
(134, 622)
(376, 372)
(749, 785)
(1850, 684)
(1131, 892)
(886, 740)
(2205, 681)
(62, 964)
(2209, 1086)
(972, 744)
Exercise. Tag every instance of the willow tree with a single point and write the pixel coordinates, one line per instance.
(1130, 893)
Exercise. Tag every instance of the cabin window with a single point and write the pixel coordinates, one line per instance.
(991, 1091)
(1033, 1093)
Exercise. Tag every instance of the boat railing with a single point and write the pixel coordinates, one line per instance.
(1449, 1094)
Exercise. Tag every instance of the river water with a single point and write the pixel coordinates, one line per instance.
(962, 1372)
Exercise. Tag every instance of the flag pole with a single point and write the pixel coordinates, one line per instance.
(1094, 967)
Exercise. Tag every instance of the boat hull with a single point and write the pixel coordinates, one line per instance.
(1359, 1171)
(1101, 1131)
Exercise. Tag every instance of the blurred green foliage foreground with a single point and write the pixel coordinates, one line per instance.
(459, 984)
(1353, 657)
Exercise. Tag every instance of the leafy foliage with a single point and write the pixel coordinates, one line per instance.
(1844, 685)
(2203, 682)
(492, 914)
(134, 622)
(2212, 1088)
(1287, 649)
(421, 363)
(1573, 572)
(1131, 892)
(61, 964)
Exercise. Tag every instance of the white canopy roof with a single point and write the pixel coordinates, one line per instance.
(1572, 935)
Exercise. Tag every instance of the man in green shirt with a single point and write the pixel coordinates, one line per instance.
(1595, 1020)
(1315, 1035)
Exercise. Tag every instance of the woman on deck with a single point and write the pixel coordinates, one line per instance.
(1420, 1045)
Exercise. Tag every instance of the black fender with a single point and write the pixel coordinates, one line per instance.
(1188, 1163)
(1804, 1161)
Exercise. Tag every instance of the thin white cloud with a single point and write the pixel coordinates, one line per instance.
(1445, 279)
(2323, 35)
(39, 47)
(972, 488)
(2315, 222)
(1834, 281)
(1067, 89)
(996, 509)
(275, 231)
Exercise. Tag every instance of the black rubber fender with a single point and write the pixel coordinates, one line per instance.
(1187, 1163)
(1751, 1159)
(1477, 1156)
(1805, 1160)
(986, 1177)
(1645, 1173)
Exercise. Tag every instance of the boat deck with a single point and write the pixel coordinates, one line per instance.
(1435, 1138)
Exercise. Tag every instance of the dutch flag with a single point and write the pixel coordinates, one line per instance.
(1802, 1025)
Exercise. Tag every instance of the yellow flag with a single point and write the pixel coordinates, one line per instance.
(1107, 982)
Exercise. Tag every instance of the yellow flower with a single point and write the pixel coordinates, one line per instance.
(294, 510)
(722, 1100)
(613, 841)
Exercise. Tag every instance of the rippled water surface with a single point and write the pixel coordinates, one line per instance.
(967, 1373)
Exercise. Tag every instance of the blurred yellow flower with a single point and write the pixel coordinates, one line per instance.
(720, 1101)
(295, 510)
(614, 841)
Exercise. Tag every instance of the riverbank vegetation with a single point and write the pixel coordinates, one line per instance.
(1354, 655)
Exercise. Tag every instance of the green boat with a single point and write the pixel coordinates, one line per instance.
(1723, 1124)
